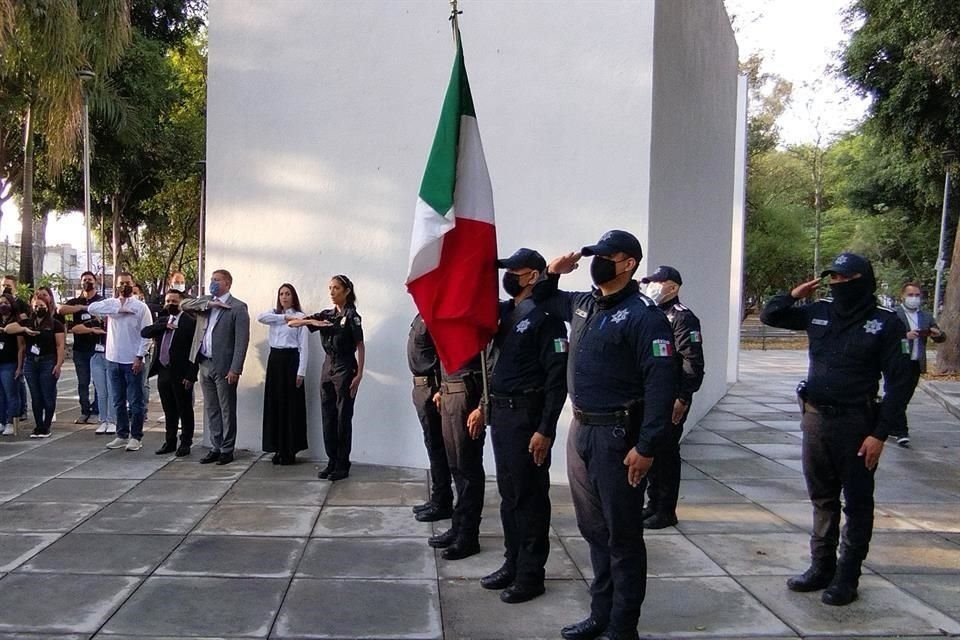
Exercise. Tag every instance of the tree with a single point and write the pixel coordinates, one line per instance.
(905, 55)
(49, 41)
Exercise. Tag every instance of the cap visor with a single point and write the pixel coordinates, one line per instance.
(841, 272)
(598, 250)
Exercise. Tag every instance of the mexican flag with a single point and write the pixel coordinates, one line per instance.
(453, 274)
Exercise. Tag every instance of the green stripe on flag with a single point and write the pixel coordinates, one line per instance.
(440, 177)
(904, 345)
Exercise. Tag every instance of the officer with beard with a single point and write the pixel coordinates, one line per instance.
(621, 375)
(853, 341)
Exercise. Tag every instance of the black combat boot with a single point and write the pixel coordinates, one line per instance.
(817, 577)
(843, 588)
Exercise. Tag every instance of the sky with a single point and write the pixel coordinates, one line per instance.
(798, 39)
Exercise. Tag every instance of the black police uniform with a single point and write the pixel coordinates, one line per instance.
(425, 367)
(83, 350)
(847, 357)
(339, 369)
(460, 393)
(528, 389)
(621, 376)
(663, 481)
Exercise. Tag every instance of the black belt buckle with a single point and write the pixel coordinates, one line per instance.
(619, 432)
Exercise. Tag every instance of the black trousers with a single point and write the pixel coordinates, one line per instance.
(914, 380)
(441, 492)
(177, 403)
(663, 479)
(524, 492)
(336, 409)
(831, 466)
(465, 458)
(607, 509)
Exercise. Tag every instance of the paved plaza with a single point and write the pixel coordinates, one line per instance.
(110, 544)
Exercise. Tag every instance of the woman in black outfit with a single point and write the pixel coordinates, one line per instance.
(12, 351)
(342, 337)
(284, 401)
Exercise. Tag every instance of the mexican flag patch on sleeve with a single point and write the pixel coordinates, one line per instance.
(904, 345)
(662, 348)
(561, 345)
(695, 337)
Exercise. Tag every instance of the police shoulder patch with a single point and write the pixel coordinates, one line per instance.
(695, 337)
(828, 299)
(680, 307)
(883, 308)
(356, 320)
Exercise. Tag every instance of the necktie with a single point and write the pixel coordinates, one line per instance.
(165, 347)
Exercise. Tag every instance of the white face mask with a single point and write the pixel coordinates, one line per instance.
(178, 286)
(655, 291)
(912, 302)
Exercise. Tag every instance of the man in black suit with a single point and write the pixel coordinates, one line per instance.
(172, 335)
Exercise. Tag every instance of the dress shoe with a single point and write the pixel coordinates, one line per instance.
(588, 629)
(212, 456)
(225, 458)
(435, 513)
(423, 507)
(813, 579)
(499, 579)
(288, 460)
(325, 473)
(338, 475)
(82, 420)
(660, 521)
(610, 634)
(646, 512)
(183, 450)
(461, 548)
(442, 540)
(275, 459)
(517, 593)
(167, 447)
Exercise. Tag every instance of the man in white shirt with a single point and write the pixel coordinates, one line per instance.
(126, 318)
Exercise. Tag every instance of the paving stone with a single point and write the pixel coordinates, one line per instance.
(707, 491)
(687, 472)
(278, 492)
(364, 609)
(747, 468)
(389, 522)
(763, 435)
(559, 565)
(913, 491)
(705, 607)
(177, 491)
(694, 453)
(368, 558)
(102, 553)
(28, 465)
(44, 516)
(152, 518)
(939, 591)
(78, 490)
(265, 470)
(118, 465)
(53, 604)
(472, 612)
(770, 489)
(800, 515)
(757, 553)
(16, 548)
(728, 518)
(190, 469)
(930, 519)
(213, 607)
(882, 609)
(380, 473)
(259, 520)
(912, 553)
(234, 556)
(11, 488)
(788, 451)
(357, 493)
(702, 436)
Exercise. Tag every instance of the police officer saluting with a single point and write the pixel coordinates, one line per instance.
(425, 367)
(528, 389)
(852, 342)
(621, 375)
(663, 481)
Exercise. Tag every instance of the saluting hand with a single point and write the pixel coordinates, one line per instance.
(804, 290)
(540, 448)
(870, 451)
(565, 263)
(637, 467)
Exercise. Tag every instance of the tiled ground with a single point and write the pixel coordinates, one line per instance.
(122, 545)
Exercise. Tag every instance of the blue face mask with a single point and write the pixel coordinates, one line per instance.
(215, 288)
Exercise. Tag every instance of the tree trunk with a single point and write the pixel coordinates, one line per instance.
(948, 352)
(40, 242)
(115, 246)
(26, 209)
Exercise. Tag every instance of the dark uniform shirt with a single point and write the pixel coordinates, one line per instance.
(846, 361)
(621, 352)
(9, 343)
(532, 357)
(421, 352)
(87, 342)
(340, 341)
(44, 344)
(689, 343)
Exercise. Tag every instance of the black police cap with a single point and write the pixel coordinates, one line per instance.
(523, 259)
(662, 274)
(615, 241)
(848, 264)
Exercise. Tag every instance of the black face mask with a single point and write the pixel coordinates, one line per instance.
(511, 284)
(41, 312)
(8, 289)
(173, 309)
(602, 270)
(88, 286)
(849, 295)
(125, 291)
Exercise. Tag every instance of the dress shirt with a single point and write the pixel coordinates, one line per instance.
(913, 317)
(124, 343)
(207, 347)
(280, 336)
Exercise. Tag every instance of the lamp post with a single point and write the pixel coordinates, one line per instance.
(202, 240)
(948, 156)
(86, 76)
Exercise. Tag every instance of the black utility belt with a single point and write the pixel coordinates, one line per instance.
(424, 381)
(525, 400)
(602, 418)
(459, 386)
(285, 349)
(835, 410)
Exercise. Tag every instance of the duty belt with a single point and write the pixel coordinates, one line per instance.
(424, 381)
(835, 410)
(525, 400)
(457, 386)
(596, 419)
